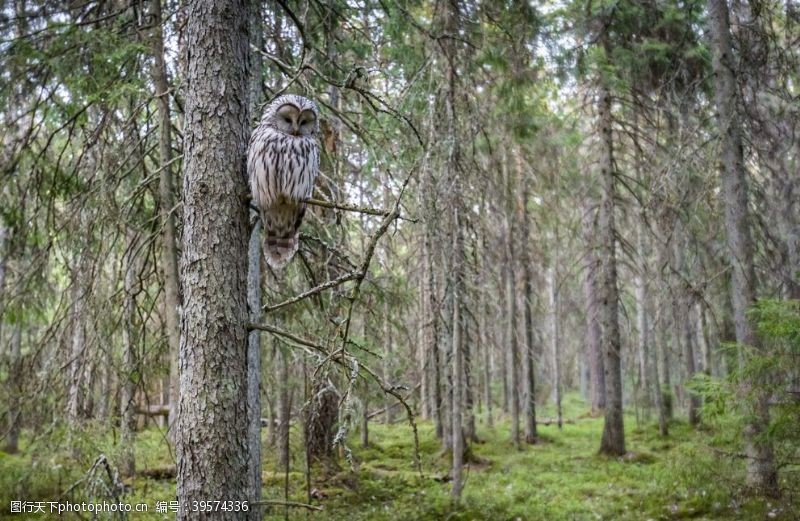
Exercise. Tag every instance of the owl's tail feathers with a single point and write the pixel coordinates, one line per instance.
(281, 233)
(279, 250)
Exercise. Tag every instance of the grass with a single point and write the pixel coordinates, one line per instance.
(562, 477)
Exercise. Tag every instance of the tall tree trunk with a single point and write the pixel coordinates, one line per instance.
(528, 369)
(254, 368)
(613, 441)
(211, 451)
(78, 343)
(761, 471)
(425, 400)
(642, 322)
(702, 337)
(513, 359)
(483, 339)
(254, 297)
(552, 283)
(129, 365)
(658, 396)
(166, 191)
(662, 330)
(597, 375)
(432, 338)
(458, 366)
(513, 349)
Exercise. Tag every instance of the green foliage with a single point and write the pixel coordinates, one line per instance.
(774, 371)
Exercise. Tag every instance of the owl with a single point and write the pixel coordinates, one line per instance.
(282, 163)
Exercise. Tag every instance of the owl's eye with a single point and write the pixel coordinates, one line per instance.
(287, 119)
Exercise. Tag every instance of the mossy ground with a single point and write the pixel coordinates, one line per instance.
(562, 477)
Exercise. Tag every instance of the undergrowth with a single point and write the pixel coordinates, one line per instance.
(684, 476)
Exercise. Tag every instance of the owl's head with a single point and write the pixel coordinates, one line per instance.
(293, 115)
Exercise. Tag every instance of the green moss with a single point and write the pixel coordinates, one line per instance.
(561, 478)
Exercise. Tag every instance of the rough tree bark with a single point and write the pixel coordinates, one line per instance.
(211, 449)
(613, 441)
(761, 471)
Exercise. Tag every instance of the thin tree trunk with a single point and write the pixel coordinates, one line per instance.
(422, 350)
(483, 339)
(761, 471)
(78, 344)
(129, 365)
(458, 367)
(513, 349)
(529, 375)
(166, 191)
(211, 449)
(554, 336)
(254, 295)
(254, 369)
(365, 419)
(662, 329)
(597, 376)
(642, 316)
(702, 337)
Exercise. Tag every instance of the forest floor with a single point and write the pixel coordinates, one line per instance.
(683, 476)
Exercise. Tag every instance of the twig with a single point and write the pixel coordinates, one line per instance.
(294, 338)
(349, 207)
(279, 503)
(313, 291)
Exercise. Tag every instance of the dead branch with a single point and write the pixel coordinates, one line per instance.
(313, 291)
(349, 207)
(279, 503)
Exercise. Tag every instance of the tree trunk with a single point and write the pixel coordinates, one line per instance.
(483, 339)
(613, 441)
(212, 452)
(552, 282)
(254, 368)
(458, 367)
(597, 375)
(78, 343)
(513, 349)
(642, 324)
(528, 369)
(761, 471)
(129, 365)
(166, 191)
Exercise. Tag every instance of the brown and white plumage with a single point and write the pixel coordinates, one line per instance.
(282, 163)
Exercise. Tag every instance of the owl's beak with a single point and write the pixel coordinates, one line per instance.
(295, 129)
